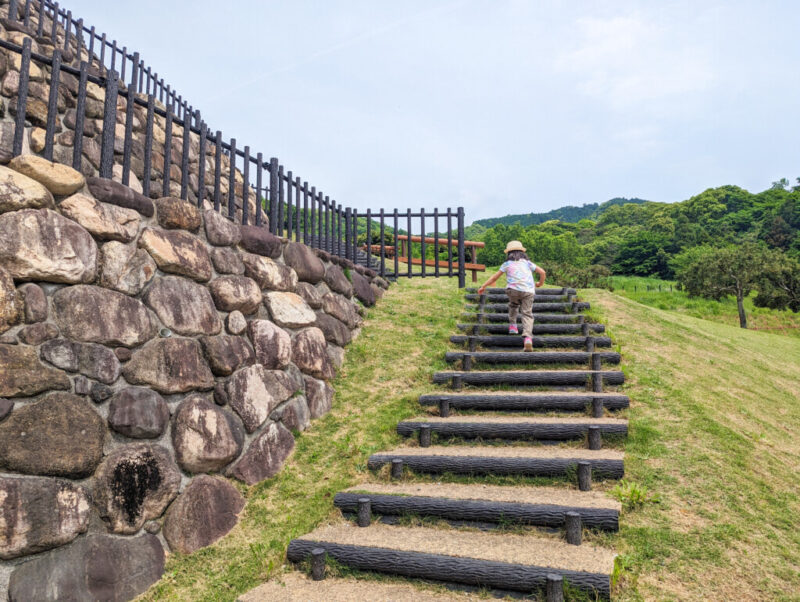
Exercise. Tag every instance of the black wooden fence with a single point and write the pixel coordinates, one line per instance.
(293, 208)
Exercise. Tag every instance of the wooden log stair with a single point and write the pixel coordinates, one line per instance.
(493, 488)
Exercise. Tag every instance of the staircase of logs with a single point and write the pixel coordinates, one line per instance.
(506, 457)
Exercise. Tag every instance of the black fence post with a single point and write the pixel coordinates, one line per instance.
(339, 229)
(273, 195)
(232, 182)
(201, 163)
(13, 10)
(449, 242)
(313, 220)
(297, 188)
(279, 224)
(396, 248)
(289, 214)
(383, 245)
(408, 242)
(246, 186)
(217, 171)
(52, 106)
(347, 233)
(305, 213)
(369, 237)
(22, 95)
(131, 100)
(259, 184)
(148, 145)
(461, 270)
(423, 247)
(187, 132)
(109, 123)
(436, 242)
(354, 253)
(80, 116)
(167, 149)
(320, 212)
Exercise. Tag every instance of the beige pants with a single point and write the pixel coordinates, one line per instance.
(519, 301)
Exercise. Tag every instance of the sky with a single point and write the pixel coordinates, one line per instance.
(502, 106)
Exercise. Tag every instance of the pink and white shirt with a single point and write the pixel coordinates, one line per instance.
(519, 275)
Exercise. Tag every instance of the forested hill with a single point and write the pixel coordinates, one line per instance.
(570, 213)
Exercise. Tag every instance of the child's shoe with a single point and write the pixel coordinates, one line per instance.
(512, 329)
(528, 344)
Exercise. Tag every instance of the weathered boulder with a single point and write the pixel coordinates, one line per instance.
(10, 302)
(18, 191)
(95, 361)
(319, 395)
(35, 302)
(23, 375)
(97, 315)
(335, 278)
(227, 353)
(289, 310)
(268, 273)
(177, 252)
(57, 178)
(205, 437)
(236, 322)
(220, 231)
(310, 294)
(6, 405)
(226, 261)
(362, 289)
(309, 353)
(261, 241)
(236, 292)
(301, 258)
(106, 222)
(266, 455)
(342, 309)
(206, 511)
(273, 345)
(38, 514)
(135, 483)
(125, 268)
(334, 330)
(40, 244)
(254, 392)
(183, 306)
(169, 365)
(97, 567)
(138, 412)
(59, 435)
(376, 290)
(177, 213)
(336, 355)
(294, 414)
(118, 194)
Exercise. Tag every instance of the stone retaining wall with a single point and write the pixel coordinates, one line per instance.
(148, 350)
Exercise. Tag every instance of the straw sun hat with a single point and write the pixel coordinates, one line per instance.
(514, 245)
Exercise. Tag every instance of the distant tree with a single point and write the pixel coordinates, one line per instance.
(782, 184)
(715, 273)
(779, 283)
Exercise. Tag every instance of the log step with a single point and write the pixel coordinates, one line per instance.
(538, 318)
(539, 291)
(503, 298)
(562, 378)
(576, 307)
(502, 561)
(538, 327)
(513, 427)
(536, 461)
(515, 341)
(534, 401)
(539, 506)
(532, 357)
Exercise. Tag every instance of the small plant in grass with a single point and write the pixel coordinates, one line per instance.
(348, 274)
(632, 494)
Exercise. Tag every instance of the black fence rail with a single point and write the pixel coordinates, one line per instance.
(269, 195)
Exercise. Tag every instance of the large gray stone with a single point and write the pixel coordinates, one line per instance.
(236, 292)
(118, 194)
(10, 302)
(169, 365)
(337, 281)
(36, 334)
(221, 231)
(106, 222)
(236, 323)
(18, 191)
(97, 315)
(362, 289)
(40, 244)
(272, 344)
(259, 240)
(226, 261)
(206, 511)
(182, 305)
(125, 268)
(310, 294)
(302, 259)
(254, 392)
(177, 213)
(205, 437)
(97, 567)
(24, 375)
(177, 252)
(294, 414)
(319, 395)
(266, 455)
(61, 435)
(342, 309)
(310, 355)
(227, 353)
(134, 484)
(289, 310)
(269, 274)
(35, 302)
(138, 412)
(95, 361)
(334, 330)
(38, 514)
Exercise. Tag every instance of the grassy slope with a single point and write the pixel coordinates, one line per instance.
(403, 341)
(715, 432)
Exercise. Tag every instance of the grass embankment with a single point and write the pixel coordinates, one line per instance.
(403, 341)
(715, 434)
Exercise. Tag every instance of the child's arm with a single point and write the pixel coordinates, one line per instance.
(490, 282)
(542, 276)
